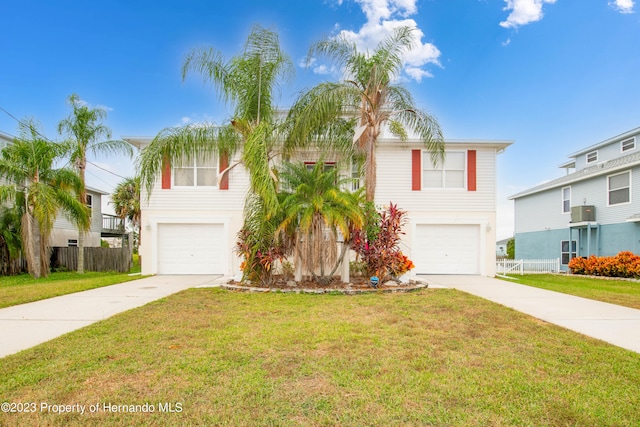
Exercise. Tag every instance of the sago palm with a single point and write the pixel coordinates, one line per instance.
(369, 94)
(28, 164)
(86, 134)
(315, 206)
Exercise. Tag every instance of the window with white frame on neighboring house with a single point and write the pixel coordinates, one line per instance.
(355, 176)
(200, 172)
(592, 157)
(619, 188)
(566, 199)
(628, 144)
(450, 173)
(72, 243)
(567, 251)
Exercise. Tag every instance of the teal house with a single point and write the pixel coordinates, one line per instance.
(593, 210)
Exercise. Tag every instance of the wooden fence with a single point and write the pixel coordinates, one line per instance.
(95, 259)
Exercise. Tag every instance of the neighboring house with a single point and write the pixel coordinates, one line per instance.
(64, 233)
(501, 247)
(593, 210)
(190, 222)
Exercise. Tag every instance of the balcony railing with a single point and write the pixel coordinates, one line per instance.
(112, 224)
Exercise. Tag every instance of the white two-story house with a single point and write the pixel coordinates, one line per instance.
(593, 210)
(190, 222)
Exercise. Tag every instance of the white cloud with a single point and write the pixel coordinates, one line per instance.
(323, 70)
(524, 12)
(417, 73)
(622, 6)
(383, 16)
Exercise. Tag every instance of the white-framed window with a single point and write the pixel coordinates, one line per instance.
(200, 172)
(592, 157)
(327, 165)
(628, 144)
(450, 173)
(356, 177)
(566, 200)
(72, 243)
(619, 188)
(567, 251)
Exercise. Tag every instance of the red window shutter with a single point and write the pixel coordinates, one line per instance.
(416, 170)
(471, 170)
(224, 163)
(166, 174)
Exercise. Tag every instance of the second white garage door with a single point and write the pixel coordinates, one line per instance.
(446, 249)
(191, 248)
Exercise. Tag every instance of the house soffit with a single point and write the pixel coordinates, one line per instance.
(596, 170)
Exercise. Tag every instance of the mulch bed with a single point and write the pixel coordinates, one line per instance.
(358, 285)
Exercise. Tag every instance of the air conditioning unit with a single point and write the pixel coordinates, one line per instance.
(586, 213)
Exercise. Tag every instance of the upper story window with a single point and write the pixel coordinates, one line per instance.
(355, 176)
(448, 174)
(619, 188)
(592, 157)
(628, 145)
(566, 200)
(200, 172)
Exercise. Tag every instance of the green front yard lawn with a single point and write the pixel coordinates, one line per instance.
(436, 357)
(621, 292)
(21, 289)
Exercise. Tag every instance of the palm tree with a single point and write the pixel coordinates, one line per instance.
(126, 201)
(368, 94)
(248, 82)
(10, 241)
(27, 164)
(314, 210)
(87, 134)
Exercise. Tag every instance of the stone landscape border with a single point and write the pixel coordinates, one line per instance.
(345, 291)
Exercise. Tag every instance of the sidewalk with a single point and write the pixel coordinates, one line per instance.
(26, 325)
(614, 324)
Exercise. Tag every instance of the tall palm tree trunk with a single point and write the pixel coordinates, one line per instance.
(82, 163)
(370, 167)
(31, 244)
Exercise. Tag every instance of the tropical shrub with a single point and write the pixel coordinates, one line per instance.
(377, 243)
(625, 264)
(258, 260)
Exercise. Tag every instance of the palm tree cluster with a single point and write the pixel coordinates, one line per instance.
(344, 119)
(37, 191)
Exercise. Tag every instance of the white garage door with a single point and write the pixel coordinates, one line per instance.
(446, 249)
(191, 248)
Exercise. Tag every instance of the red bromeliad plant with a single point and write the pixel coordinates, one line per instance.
(377, 243)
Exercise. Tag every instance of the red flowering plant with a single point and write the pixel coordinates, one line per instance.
(258, 262)
(377, 243)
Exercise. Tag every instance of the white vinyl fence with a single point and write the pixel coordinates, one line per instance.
(522, 266)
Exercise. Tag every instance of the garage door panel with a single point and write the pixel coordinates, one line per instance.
(446, 249)
(190, 248)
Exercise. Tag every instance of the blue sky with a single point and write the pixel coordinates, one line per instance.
(552, 75)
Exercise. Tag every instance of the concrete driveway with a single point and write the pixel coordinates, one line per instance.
(614, 324)
(26, 325)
